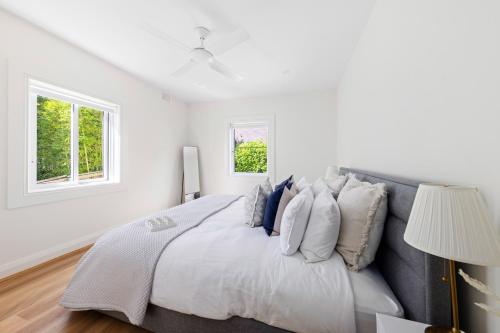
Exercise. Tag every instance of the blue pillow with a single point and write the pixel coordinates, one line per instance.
(272, 204)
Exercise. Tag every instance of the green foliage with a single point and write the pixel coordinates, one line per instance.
(251, 157)
(90, 140)
(54, 139)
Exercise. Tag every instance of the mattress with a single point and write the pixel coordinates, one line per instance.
(224, 240)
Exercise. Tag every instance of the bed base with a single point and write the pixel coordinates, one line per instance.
(159, 319)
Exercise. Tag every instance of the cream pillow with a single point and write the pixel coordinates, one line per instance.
(294, 222)
(322, 229)
(286, 197)
(363, 209)
(375, 236)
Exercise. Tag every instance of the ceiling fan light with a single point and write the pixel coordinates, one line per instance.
(201, 55)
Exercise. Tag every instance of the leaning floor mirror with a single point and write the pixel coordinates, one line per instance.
(191, 178)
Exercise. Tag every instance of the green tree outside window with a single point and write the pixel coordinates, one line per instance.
(54, 141)
(250, 157)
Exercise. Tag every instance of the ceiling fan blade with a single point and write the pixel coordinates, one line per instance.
(167, 38)
(229, 41)
(184, 69)
(224, 70)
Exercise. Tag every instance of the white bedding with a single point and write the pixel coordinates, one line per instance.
(224, 268)
(372, 295)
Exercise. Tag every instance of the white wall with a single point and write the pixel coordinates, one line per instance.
(305, 137)
(421, 98)
(153, 132)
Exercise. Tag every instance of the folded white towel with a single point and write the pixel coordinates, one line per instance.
(159, 223)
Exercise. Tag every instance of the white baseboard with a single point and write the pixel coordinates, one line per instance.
(48, 254)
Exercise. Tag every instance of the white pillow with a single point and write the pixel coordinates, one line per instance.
(302, 184)
(319, 186)
(294, 221)
(322, 230)
(255, 203)
(334, 186)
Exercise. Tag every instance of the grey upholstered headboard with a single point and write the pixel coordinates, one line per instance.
(414, 276)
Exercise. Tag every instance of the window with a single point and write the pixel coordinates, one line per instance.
(73, 139)
(249, 148)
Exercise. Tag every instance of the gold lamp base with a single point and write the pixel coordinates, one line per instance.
(438, 329)
(454, 305)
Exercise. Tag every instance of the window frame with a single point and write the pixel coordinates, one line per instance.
(251, 122)
(111, 147)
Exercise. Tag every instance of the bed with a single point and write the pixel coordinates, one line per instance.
(402, 282)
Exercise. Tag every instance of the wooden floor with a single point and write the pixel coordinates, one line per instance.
(29, 303)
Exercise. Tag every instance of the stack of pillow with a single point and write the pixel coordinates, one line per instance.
(342, 214)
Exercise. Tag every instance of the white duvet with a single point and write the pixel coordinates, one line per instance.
(224, 268)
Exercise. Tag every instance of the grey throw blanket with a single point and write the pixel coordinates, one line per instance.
(117, 272)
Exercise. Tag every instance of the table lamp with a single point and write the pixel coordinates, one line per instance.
(452, 222)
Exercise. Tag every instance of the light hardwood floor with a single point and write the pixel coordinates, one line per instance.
(29, 303)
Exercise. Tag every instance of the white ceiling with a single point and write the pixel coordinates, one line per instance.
(294, 45)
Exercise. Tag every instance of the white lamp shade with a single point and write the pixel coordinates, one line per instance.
(332, 172)
(452, 222)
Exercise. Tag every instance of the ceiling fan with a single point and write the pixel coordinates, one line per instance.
(201, 56)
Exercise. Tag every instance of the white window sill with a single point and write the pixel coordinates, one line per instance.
(63, 187)
(249, 174)
(19, 199)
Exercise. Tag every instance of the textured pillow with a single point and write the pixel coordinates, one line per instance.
(319, 186)
(322, 230)
(272, 205)
(294, 222)
(302, 184)
(363, 208)
(267, 187)
(336, 184)
(286, 197)
(255, 203)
